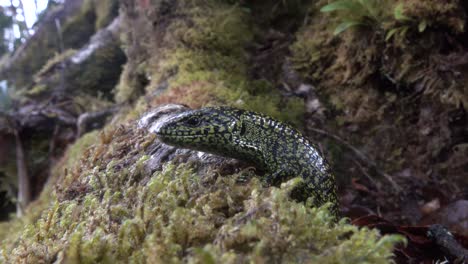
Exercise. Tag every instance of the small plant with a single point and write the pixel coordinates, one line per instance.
(354, 13)
(407, 23)
(378, 14)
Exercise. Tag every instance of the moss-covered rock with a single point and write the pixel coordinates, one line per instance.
(99, 74)
(203, 61)
(109, 213)
(93, 16)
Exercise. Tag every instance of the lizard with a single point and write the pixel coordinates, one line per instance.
(272, 146)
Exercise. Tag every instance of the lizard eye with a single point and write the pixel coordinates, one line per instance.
(193, 121)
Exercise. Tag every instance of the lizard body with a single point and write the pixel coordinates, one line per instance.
(271, 145)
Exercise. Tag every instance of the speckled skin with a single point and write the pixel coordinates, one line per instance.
(271, 145)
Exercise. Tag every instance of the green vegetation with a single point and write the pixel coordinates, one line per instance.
(402, 32)
(352, 13)
(102, 205)
(113, 215)
(76, 31)
(53, 62)
(93, 16)
(106, 11)
(131, 84)
(208, 53)
(393, 17)
(99, 74)
(385, 69)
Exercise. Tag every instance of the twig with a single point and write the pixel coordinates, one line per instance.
(360, 155)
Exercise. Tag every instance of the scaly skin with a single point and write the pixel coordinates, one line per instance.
(271, 145)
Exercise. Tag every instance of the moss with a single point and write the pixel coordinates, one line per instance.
(176, 217)
(108, 209)
(132, 82)
(78, 29)
(75, 151)
(94, 15)
(99, 74)
(173, 221)
(310, 54)
(210, 61)
(90, 102)
(111, 213)
(37, 89)
(105, 11)
(10, 231)
(22, 71)
(52, 63)
(403, 33)
(449, 14)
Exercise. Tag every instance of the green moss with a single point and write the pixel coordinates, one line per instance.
(132, 82)
(75, 151)
(71, 159)
(94, 15)
(106, 10)
(309, 55)
(433, 13)
(78, 29)
(52, 63)
(108, 209)
(99, 74)
(22, 71)
(177, 217)
(210, 59)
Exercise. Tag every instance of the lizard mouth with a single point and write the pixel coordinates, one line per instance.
(178, 136)
(163, 136)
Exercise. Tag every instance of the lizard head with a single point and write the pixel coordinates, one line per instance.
(207, 129)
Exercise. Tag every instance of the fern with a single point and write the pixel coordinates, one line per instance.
(354, 13)
(374, 14)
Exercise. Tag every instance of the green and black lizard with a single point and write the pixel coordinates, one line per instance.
(280, 150)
